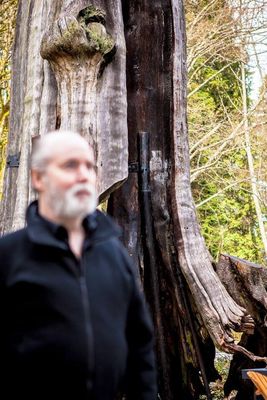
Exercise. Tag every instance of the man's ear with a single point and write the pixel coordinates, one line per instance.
(37, 180)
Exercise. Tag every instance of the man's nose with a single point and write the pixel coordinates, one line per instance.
(83, 173)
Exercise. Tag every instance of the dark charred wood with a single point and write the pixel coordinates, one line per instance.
(149, 36)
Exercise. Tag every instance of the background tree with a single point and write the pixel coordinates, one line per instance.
(220, 175)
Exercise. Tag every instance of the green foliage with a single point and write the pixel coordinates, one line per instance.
(3, 144)
(7, 22)
(229, 225)
(223, 88)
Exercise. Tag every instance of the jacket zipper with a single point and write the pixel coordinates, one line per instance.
(88, 324)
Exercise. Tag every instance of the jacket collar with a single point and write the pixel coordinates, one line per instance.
(98, 227)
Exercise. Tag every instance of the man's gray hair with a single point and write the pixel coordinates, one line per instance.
(44, 146)
(40, 156)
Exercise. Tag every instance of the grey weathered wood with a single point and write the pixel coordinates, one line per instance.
(246, 282)
(219, 311)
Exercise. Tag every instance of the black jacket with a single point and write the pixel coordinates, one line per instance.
(72, 329)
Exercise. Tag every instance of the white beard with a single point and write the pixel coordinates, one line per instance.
(69, 205)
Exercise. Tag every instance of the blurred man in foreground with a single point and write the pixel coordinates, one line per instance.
(74, 321)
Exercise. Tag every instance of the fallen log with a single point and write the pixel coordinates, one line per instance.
(246, 282)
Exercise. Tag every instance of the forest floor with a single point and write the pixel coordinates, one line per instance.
(222, 364)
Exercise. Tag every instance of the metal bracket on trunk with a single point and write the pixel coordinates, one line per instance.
(13, 161)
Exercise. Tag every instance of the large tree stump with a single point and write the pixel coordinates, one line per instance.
(80, 86)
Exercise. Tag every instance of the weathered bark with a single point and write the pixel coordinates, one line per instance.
(41, 103)
(247, 283)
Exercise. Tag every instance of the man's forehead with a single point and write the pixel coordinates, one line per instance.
(65, 145)
(72, 152)
(64, 139)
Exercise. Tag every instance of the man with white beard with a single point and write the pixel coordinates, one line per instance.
(74, 323)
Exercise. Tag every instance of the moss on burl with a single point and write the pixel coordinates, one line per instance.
(99, 40)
